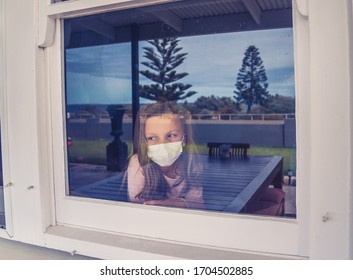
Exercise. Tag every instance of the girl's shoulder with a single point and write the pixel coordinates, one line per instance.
(134, 160)
(134, 166)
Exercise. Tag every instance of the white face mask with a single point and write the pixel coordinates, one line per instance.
(165, 154)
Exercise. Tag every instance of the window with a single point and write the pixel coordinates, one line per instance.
(237, 86)
(100, 46)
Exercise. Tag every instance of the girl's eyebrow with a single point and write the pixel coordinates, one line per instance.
(173, 130)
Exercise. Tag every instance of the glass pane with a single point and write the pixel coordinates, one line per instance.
(220, 75)
(98, 110)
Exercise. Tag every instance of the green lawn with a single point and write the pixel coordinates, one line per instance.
(288, 154)
(94, 152)
(89, 151)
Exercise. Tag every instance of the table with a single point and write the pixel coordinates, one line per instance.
(229, 185)
(232, 185)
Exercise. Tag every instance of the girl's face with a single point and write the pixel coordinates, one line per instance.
(163, 129)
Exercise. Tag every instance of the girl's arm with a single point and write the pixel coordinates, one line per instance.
(194, 198)
(172, 202)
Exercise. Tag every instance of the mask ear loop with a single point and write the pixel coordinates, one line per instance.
(183, 140)
(180, 172)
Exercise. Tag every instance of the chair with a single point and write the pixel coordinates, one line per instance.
(271, 203)
(228, 150)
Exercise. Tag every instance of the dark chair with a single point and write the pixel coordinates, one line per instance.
(228, 150)
(271, 203)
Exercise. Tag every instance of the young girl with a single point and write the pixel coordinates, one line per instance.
(164, 168)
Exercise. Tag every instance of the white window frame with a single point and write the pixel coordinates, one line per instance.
(199, 228)
(8, 231)
(234, 232)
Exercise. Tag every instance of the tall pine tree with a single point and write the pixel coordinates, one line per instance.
(163, 58)
(252, 81)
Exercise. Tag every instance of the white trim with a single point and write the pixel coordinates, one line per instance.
(4, 124)
(303, 109)
(303, 7)
(48, 12)
(121, 246)
(178, 225)
(350, 32)
(46, 26)
(86, 7)
(45, 149)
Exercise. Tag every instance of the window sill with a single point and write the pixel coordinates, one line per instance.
(118, 246)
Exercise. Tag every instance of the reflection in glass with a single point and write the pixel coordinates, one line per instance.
(164, 169)
(98, 107)
(238, 88)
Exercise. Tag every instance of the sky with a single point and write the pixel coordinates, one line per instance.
(102, 74)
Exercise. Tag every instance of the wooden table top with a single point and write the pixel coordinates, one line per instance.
(228, 185)
(231, 185)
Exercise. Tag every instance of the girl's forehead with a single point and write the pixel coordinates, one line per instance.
(167, 120)
(166, 116)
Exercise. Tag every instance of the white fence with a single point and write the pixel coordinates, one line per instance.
(249, 117)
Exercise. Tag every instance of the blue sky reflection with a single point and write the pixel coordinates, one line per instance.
(102, 74)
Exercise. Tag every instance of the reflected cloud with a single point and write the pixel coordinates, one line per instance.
(103, 73)
(102, 61)
(88, 89)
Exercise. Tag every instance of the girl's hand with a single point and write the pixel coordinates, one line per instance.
(173, 202)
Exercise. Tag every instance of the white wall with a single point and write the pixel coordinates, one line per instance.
(20, 90)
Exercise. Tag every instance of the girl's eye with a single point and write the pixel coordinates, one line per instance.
(171, 136)
(151, 138)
